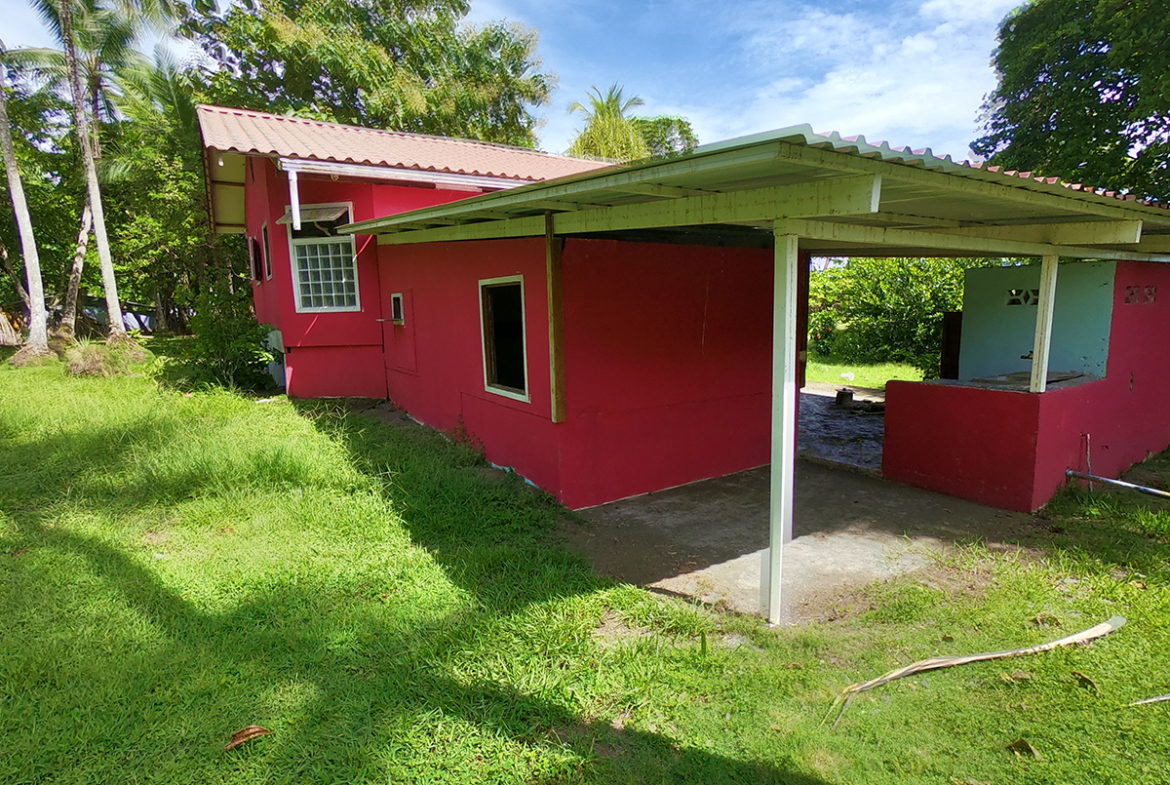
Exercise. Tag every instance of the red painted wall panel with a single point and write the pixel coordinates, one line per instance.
(967, 442)
(434, 361)
(1012, 449)
(335, 372)
(1124, 414)
(668, 363)
(267, 195)
(667, 349)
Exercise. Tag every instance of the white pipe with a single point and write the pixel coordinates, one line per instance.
(294, 197)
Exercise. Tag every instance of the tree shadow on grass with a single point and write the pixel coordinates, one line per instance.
(112, 673)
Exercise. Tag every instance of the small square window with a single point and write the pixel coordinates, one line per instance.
(324, 261)
(396, 310)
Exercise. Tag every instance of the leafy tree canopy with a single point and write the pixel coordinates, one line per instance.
(407, 65)
(1084, 94)
(608, 131)
(885, 310)
(666, 134)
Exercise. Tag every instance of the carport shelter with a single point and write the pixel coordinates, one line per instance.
(634, 327)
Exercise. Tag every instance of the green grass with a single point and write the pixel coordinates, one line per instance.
(176, 567)
(872, 376)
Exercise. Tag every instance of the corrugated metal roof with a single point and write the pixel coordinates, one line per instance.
(857, 145)
(922, 204)
(258, 133)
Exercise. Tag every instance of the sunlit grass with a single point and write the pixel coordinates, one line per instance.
(176, 567)
(871, 376)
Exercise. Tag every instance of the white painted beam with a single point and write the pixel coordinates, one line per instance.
(1073, 233)
(591, 183)
(1044, 312)
(784, 394)
(875, 236)
(664, 191)
(1156, 243)
(994, 186)
(840, 196)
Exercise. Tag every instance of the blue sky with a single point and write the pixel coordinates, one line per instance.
(911, 72)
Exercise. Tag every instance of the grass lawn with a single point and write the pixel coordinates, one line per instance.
(175, 568)
(821, 369)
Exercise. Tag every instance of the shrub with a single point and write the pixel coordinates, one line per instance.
(885, 310)
(229, 346)
(90, 358)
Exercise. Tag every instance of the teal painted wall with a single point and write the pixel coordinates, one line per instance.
(996, 334)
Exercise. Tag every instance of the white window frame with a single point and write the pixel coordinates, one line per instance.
(506, 392)
(397, 299)
(266, 249)
(292, 260)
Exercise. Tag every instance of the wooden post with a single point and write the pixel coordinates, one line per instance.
(1044, 323)
(556, 320)
(784, 362)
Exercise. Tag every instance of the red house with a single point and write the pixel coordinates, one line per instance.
(612, 330)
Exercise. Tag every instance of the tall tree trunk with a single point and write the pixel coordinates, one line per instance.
(24, 298)
(68, 328)
(38, 333)
(113, 307)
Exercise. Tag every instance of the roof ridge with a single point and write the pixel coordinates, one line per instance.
(382, 131)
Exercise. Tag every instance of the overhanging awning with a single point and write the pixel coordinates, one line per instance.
(314, 214)
(841, 196)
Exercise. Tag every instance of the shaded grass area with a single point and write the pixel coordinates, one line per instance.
(176, 567)
(829, 371)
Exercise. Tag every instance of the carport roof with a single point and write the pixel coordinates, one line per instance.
(841, 195)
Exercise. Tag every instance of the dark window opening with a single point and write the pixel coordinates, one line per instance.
(503, 336)
(396, 308)
(267, 254)
(254, 260)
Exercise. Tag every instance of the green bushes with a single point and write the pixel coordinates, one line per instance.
(229, 346)
(885, 310)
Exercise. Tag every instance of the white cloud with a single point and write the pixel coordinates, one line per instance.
(914, 78)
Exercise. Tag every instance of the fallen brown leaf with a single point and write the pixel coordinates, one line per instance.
(1045, 620)
(1022, 747)
(21, 552)
(247, 734)
(1085, 681)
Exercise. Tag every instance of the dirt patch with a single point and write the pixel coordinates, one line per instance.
(615, 631)
(853, 601)
(152, 537)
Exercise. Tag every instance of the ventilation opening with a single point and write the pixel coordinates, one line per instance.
(1023, 297)
(503, 336)
(396, 308)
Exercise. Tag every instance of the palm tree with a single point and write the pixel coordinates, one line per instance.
(63, 21)
(608, 131)
(104, 37)
(38, 337)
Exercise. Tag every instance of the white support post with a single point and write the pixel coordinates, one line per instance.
(294, 199)
(784, 394)
(1044, 323)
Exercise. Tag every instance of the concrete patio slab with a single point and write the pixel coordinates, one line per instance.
(707, 540)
